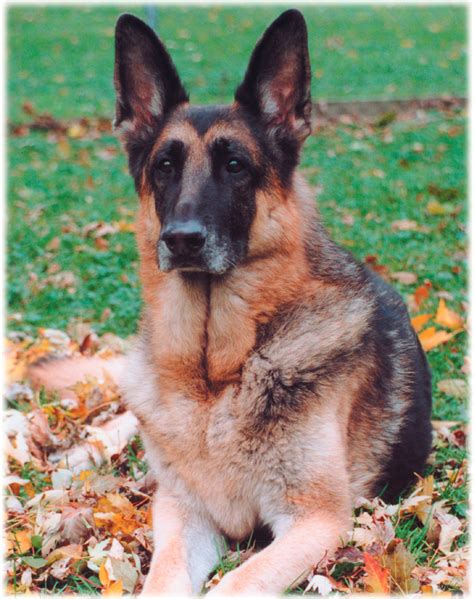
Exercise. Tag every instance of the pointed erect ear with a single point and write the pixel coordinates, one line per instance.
(276, 86)
(146, 82)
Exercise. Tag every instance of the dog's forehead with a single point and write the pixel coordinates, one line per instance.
(205, 118)
(205, 124)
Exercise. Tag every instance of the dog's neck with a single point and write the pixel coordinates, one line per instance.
(204, 327)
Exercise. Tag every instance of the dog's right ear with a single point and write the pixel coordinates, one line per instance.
(146, 81)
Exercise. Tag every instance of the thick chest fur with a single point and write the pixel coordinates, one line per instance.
(244, 449)
(232, 454)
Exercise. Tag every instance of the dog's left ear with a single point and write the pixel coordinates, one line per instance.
(276, 86)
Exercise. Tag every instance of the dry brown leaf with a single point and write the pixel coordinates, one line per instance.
(401, 563)
(451, 528)
(121, 569)
(406, 278)
(101, 243)
(448, 318)
(405, 225)
(73, 552)
(457, 388)
(76, 523)
(423, 509)
(54, 244)
(39, 429)
(60, 568)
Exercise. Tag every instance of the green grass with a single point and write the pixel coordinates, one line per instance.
(61, 58)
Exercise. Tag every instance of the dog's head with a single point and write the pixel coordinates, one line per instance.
(207, 168)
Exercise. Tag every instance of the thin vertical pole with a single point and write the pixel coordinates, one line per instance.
(151, 15)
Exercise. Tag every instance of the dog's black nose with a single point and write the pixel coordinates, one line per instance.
(185, 239)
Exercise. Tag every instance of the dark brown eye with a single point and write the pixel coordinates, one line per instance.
(234, 166)
(165, 166)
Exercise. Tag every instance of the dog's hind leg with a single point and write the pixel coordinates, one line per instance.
(187, 547)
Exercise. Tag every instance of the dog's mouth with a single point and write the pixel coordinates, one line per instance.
(190, 268)
(212, 259)
(219, 267)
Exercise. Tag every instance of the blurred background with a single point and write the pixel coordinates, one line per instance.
(61, 57)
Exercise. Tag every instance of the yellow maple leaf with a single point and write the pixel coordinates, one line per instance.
(104, 575)
(431, 338)
(116, 588)
(418, 322)
(448, 318)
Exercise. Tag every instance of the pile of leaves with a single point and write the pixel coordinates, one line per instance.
(86, 527)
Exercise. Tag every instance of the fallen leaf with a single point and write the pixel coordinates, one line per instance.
(423, 509)
(418, 322)
(319, 584)
(101, 243)
(116, 588)
(401, 563)
(422, 293)
(18, 541)
(372, 262)
(435, 208)
(457, 388)
(104, 575)
(76, 131)
(444, 194)
(124, 226)
(377, 578)
(431, 338)
(54, 244)
(124, 571)
(60, 568)
(406, 278)
(73, 552)
(34, 562)
(450, 530)
(448, 318)
(405, 225)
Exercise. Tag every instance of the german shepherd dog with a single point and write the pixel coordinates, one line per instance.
(275, 378)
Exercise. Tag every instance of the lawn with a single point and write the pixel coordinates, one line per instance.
(358, 52)
(393, 192)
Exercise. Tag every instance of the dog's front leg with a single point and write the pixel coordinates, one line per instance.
(289, 557)
(187, 547)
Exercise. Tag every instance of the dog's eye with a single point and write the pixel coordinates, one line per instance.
(234, 166)
(165, 166)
